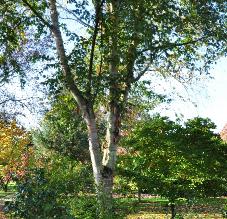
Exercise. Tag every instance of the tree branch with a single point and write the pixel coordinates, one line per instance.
(163, 47)
(97, 21)
(76, 17)
(132, 54)
(172, 45)
(36, 13)
(13, 100)
(135, 79)
(82, 102)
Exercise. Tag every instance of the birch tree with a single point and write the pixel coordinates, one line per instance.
(99, 49)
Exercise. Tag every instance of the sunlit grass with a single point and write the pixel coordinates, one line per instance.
(164, 216)
(156, 207)
(10, 191)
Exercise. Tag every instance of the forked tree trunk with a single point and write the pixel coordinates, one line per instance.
(100, 172)
(110, 153)
(95, 149)
(103, 169)
(113, 120)
(103, 163)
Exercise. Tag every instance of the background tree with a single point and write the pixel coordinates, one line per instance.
(63, 130)
(15, 154)
(123, 40)
(207, 152)
(175, 161)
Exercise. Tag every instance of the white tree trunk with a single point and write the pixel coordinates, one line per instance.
(95, 150)
(103, 169)
(102, 172)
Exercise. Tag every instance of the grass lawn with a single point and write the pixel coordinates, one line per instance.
(151, 208)
(4, 194)
(168, 216)
(157, 207)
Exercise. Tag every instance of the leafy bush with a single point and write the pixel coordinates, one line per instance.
(60, 189)
(123, 186)
(84, 207)
(63, 130)
(36, 199)
(224, 212)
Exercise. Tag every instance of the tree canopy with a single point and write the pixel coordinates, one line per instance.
(176, 161)
(63, 130)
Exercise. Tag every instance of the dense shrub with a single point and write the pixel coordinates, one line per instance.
(61, 189)
(84, 207)
(36, 199)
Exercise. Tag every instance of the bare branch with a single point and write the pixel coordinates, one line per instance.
(141, 73)
(13, 100)
(76, 17)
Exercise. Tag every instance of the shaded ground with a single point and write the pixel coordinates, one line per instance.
(156, 208)
(164, 216)
(149, 209)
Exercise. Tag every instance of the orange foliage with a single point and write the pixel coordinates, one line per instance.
(14, 151)
(223, 133)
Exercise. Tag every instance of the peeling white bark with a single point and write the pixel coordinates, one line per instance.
(86, 109)
(95, 151)
(110, 150)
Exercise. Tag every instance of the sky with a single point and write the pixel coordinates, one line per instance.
(216, 104)
(209, 99)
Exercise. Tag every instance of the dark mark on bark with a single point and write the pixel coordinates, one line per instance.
(106, 172)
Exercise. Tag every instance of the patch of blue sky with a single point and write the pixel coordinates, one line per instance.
(205, 98)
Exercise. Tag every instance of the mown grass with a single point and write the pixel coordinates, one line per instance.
(157, 207)
(149, 208)
(168, 216)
